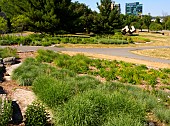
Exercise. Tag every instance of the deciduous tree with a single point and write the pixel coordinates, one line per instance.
(147, 21)
(155, 26)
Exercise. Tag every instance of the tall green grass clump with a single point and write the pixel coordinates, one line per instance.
(84, 83)
(46, 55)
(93, 108)
(55, 92)
(51, 91)
(27, 72)
(123, 119)
(30, 70)
(78, 63)
(5, 112)
(153, 102)
(62, 73)
(163, 114)
(135, 93)
(8, 52)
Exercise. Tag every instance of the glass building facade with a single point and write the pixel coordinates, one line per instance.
(134, 8)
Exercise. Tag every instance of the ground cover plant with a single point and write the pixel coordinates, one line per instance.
(5, 112)
(110, 70)
(47, 40)
(79, 99)
(31, 69)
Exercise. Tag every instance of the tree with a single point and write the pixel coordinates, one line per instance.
(109, 18)
(3, 25)
(141, 23)
(138, 23)
(158, 20)
(167, 23)
(147, 21)
(44, 15)
(81, 17)
(129, 19)
(20, 22)
(155, 26)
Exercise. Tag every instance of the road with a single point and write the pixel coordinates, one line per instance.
(120, 52)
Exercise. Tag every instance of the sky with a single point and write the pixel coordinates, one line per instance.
(154, 7)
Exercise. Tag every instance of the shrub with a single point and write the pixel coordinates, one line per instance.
(130, 75)
(46, 43)
(165, 70)
(111, 41)
(36, 115)
(141, 39)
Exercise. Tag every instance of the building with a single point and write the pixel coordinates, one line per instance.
(115, 5)
(134, 8)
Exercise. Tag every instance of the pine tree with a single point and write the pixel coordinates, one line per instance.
(3, 25)
(44, 15)
(110, 16)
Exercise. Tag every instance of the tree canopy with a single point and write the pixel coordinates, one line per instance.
(3, 25)
(109, 17)
(56, 16)
(147, 21)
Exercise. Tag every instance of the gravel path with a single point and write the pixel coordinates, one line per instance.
(120, 52)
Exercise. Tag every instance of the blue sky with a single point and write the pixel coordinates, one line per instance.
(155, 7)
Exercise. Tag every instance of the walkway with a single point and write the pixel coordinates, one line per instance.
(120, 52)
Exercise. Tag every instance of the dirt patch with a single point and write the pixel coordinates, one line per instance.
(24, 55)
(24, 98)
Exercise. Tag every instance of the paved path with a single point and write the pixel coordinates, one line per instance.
(122, 52)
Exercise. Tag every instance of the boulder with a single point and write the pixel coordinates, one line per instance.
(9, 60)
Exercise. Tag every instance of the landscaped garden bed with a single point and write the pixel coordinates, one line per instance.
(61, 83)
(47, 40)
